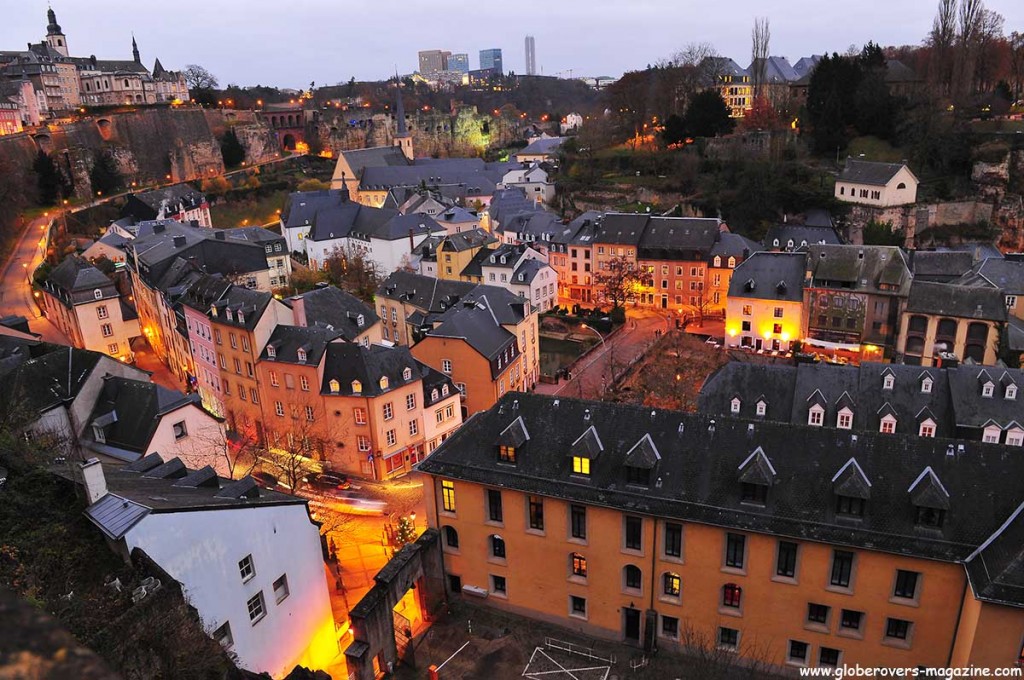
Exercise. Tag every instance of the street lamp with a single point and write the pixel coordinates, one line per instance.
(594, 330)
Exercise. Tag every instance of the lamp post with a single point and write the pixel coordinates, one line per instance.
(595, 331)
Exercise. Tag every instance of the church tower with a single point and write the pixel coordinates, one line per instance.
(55, 37)
(403, 140)
(135, 50)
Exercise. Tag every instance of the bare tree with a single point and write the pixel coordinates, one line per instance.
(232, 457)
(970, 14)
(942, 37)
(760, 37)
(1016, 43)
(988, 56)
(198, 78)
(711, 660)
(617, 280)
(698, 66)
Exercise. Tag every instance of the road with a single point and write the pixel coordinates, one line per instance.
(593, 375)
(15, 288)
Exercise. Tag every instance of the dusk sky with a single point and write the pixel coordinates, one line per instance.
(289, 43)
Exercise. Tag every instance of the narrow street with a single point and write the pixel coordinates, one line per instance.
(15, 282)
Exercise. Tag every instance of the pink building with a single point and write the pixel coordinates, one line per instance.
(201, 341)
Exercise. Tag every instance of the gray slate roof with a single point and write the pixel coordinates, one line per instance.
(129, 411)
(769, 276)
(870, 269)
(869, 172)
(946, 299)
(75, 281)
(1004, 274)
(286, 342)
(331, 308)
(792, 236)
(346, 362)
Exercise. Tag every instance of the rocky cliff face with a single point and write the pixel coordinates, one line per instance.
(148, 145)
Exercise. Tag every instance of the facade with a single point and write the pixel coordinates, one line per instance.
(490, 60)
(614, 521)
(765, 302)
(10, 118)
(531, 56)
(518, 268)
(732, 81)
(86, 306)
(248, 559)
(179, 202)
(533, 180)
(940, 317)
(433, 62)
(880, 185)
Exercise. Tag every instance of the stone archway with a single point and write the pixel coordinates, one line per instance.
(288, 142)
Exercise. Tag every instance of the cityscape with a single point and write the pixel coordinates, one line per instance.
(549, 354)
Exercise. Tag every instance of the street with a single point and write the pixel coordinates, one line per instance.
(15, 286)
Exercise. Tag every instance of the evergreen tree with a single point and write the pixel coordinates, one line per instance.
(48, 179)
(830, 101)
(708, 115)
(406, 532)
(875, 107)
(232, 149)
(105, 176)
(675, 130)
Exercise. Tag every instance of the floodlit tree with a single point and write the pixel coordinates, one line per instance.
(617, 280)
(353, 272)
(198, 78)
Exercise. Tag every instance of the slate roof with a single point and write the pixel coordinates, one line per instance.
(456, 215)
(252, 235)
(943, 266)
(946, 299)
(547, 146)
(971, 410)
(526, 272)
(346, 362)
(691, 484)
(869, 172)
(769, 276)
(466, 240)
(477, 179)
(302, 206)
(241, 300)
(776, 70)
(148, 486)
(75, 281)
(200, 247)
(734, 245)
(478, 326)
(621, 228)
(162, 202)
(435, 380)
(772, 383)
(331, 308)
(996, 569)
(793, 236)
(1004, 274)
(673, 238)
(375, 157)
(341, 220)
(434, 297)
(397, 227)
(805, 65)
(129, 411)
(506, 203)
(286, 342)
(50, 380)
(871, 269)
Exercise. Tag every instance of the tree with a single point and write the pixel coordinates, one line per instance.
(353, 272)
(405, 532)
(48, 179)
(198, 78)
(830, 102)
(760, 37)
(617, 281)
(105, 177)
(882, 234)
(708, 115)
(674, 130)
(1016, 45)
(13, 198)
(941, 42)
(313, 184)
(875, 107)
(231, 149)
(761, 116)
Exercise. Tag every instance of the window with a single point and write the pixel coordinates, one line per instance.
(632, 577)
(633, 533)
(926, 385)
(732, 595)
(927, 429)
(579, 565)
(817, 613)
(389, 411)
(828, 657)
(448, 495)
(580, 465)
(410, 402)
(906, 584)
(446, 366)
(671, 584)
(102, 312)
(734, 405)
(507, 454)
(735, 548)
(304, 383)
(578, 606)
(498, 546)
(107, 330)
(797, 652)
(359, 415)
(498, 584)
(638, 476)
(785, 563)
(842, 568)
(451, 537)
(414, 427)
(310, 416)
(256, 399)
(257, 608)
(494, 510)
(728, 638)
(747, 310)
(778, 312)
(849, 507)
(536, 513)
(246, 568)
(987, 389)
(897, 629)
(390, 437)
(363, 443)
(1011, 392)
(578, 521)
(851, 620)
(887, 425)
(816, 416)
(930, 517)
(281, 588)
(180, 430)
(670, 627)
(755, 494)
(673, 540)
(223, 635)
(888, 382)
(845, 420)
(245, 344)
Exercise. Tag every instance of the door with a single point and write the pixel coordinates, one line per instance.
(758, 343)
(631, 624)
(664, 302)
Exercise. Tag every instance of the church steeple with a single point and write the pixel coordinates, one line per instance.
(135, 50)
(403, 140)
(52, 27)
(54, 35)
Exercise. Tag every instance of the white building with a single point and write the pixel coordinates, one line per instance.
(572, 123)
(519, 269)
(533, 180)
(247, 559)
(880, 185)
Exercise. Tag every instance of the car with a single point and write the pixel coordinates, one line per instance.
(327, 481)
(361, 505)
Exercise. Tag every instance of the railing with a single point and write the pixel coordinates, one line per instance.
(580, 650)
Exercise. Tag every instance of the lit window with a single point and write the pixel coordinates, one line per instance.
(448, 495)
(507, 454)
(579, 565)
(671, 584)
(580, 465)
(732, 595)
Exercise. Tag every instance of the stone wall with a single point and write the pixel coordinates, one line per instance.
(148, 145)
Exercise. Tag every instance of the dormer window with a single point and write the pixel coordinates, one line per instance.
(638, 476)
(887, 425)
(816, 416)
(734, 405)
(433, 394)
(507, 454)
(1011, 391)
(360, 320)
(271, 351)
(775, 243)
(99, 435)
(930, 499)
(852, 490)
(407, 374)
(756, 494)
(888, 382)
(383, 382)
(848, 506)
(844, 420)
(301, 354)
(927, 428)
(581, 465)
(926, 385)
(444, 390)
(988, 389)
(335, 386)
(357, 387)
(732, 262)
(931, 518)
(98, 294)
(718, 261)
(991, 434)
(230, 315)
(762, 407)
(241, 316)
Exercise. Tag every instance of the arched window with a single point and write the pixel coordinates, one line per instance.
(433, 395)
(732, 595)
(451, 537)
(632, 578)
(901, 185)
(578, 564)
(671, 584)
(444, 390)
(407, 374)
(498, 546)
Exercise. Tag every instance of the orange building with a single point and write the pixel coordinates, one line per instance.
(786, 544)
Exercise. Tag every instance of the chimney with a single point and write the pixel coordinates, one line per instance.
(179, 241)
(93, 480)
(159, 228)
(412, 241)
(219, 235)
(299, 309)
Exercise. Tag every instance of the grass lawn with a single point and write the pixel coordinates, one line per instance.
(875, 149)
(250, 212)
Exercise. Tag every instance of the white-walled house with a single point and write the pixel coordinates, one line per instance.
(519, 269)
(248, 559)
(880, 185)
(571, 123)
(533, 180)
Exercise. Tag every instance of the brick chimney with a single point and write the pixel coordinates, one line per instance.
(93, 480)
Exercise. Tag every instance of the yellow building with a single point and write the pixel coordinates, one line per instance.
(655, 527)
(942, 317)
(765, 301)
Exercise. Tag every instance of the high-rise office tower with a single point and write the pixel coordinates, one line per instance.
(459, 62)
(491, 59)
(531, 56)
(433, 62)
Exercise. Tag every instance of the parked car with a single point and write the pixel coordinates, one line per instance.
(327, 482)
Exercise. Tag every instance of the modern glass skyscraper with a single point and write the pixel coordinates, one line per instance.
(491, 59)
(531, 56)
(459, 62)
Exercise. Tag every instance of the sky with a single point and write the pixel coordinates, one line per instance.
(289, 43)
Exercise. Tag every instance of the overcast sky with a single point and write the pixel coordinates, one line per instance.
(289, 43)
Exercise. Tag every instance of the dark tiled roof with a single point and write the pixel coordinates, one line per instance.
(794, 236)
(333, 308)
(621, 228)
(945, 299)
(129, 411)
(163, 202)
(242, 302)
(1006, 275)
(996, 568)
(477, 325)
(465, 240)
(375, 157)
(668, 238)
(346, 363)
(697, 477)
(971, 409)
(769, 276)
(253, 235)
(734, 245)
(75, 281)
(869, 172)
(943, 266)
(435, 380)
(871, 269)
(286, 342)
(51, 379)
(200, 247)
(302, 206)
(547, 146)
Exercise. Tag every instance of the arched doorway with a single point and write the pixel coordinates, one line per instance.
(288, 142)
